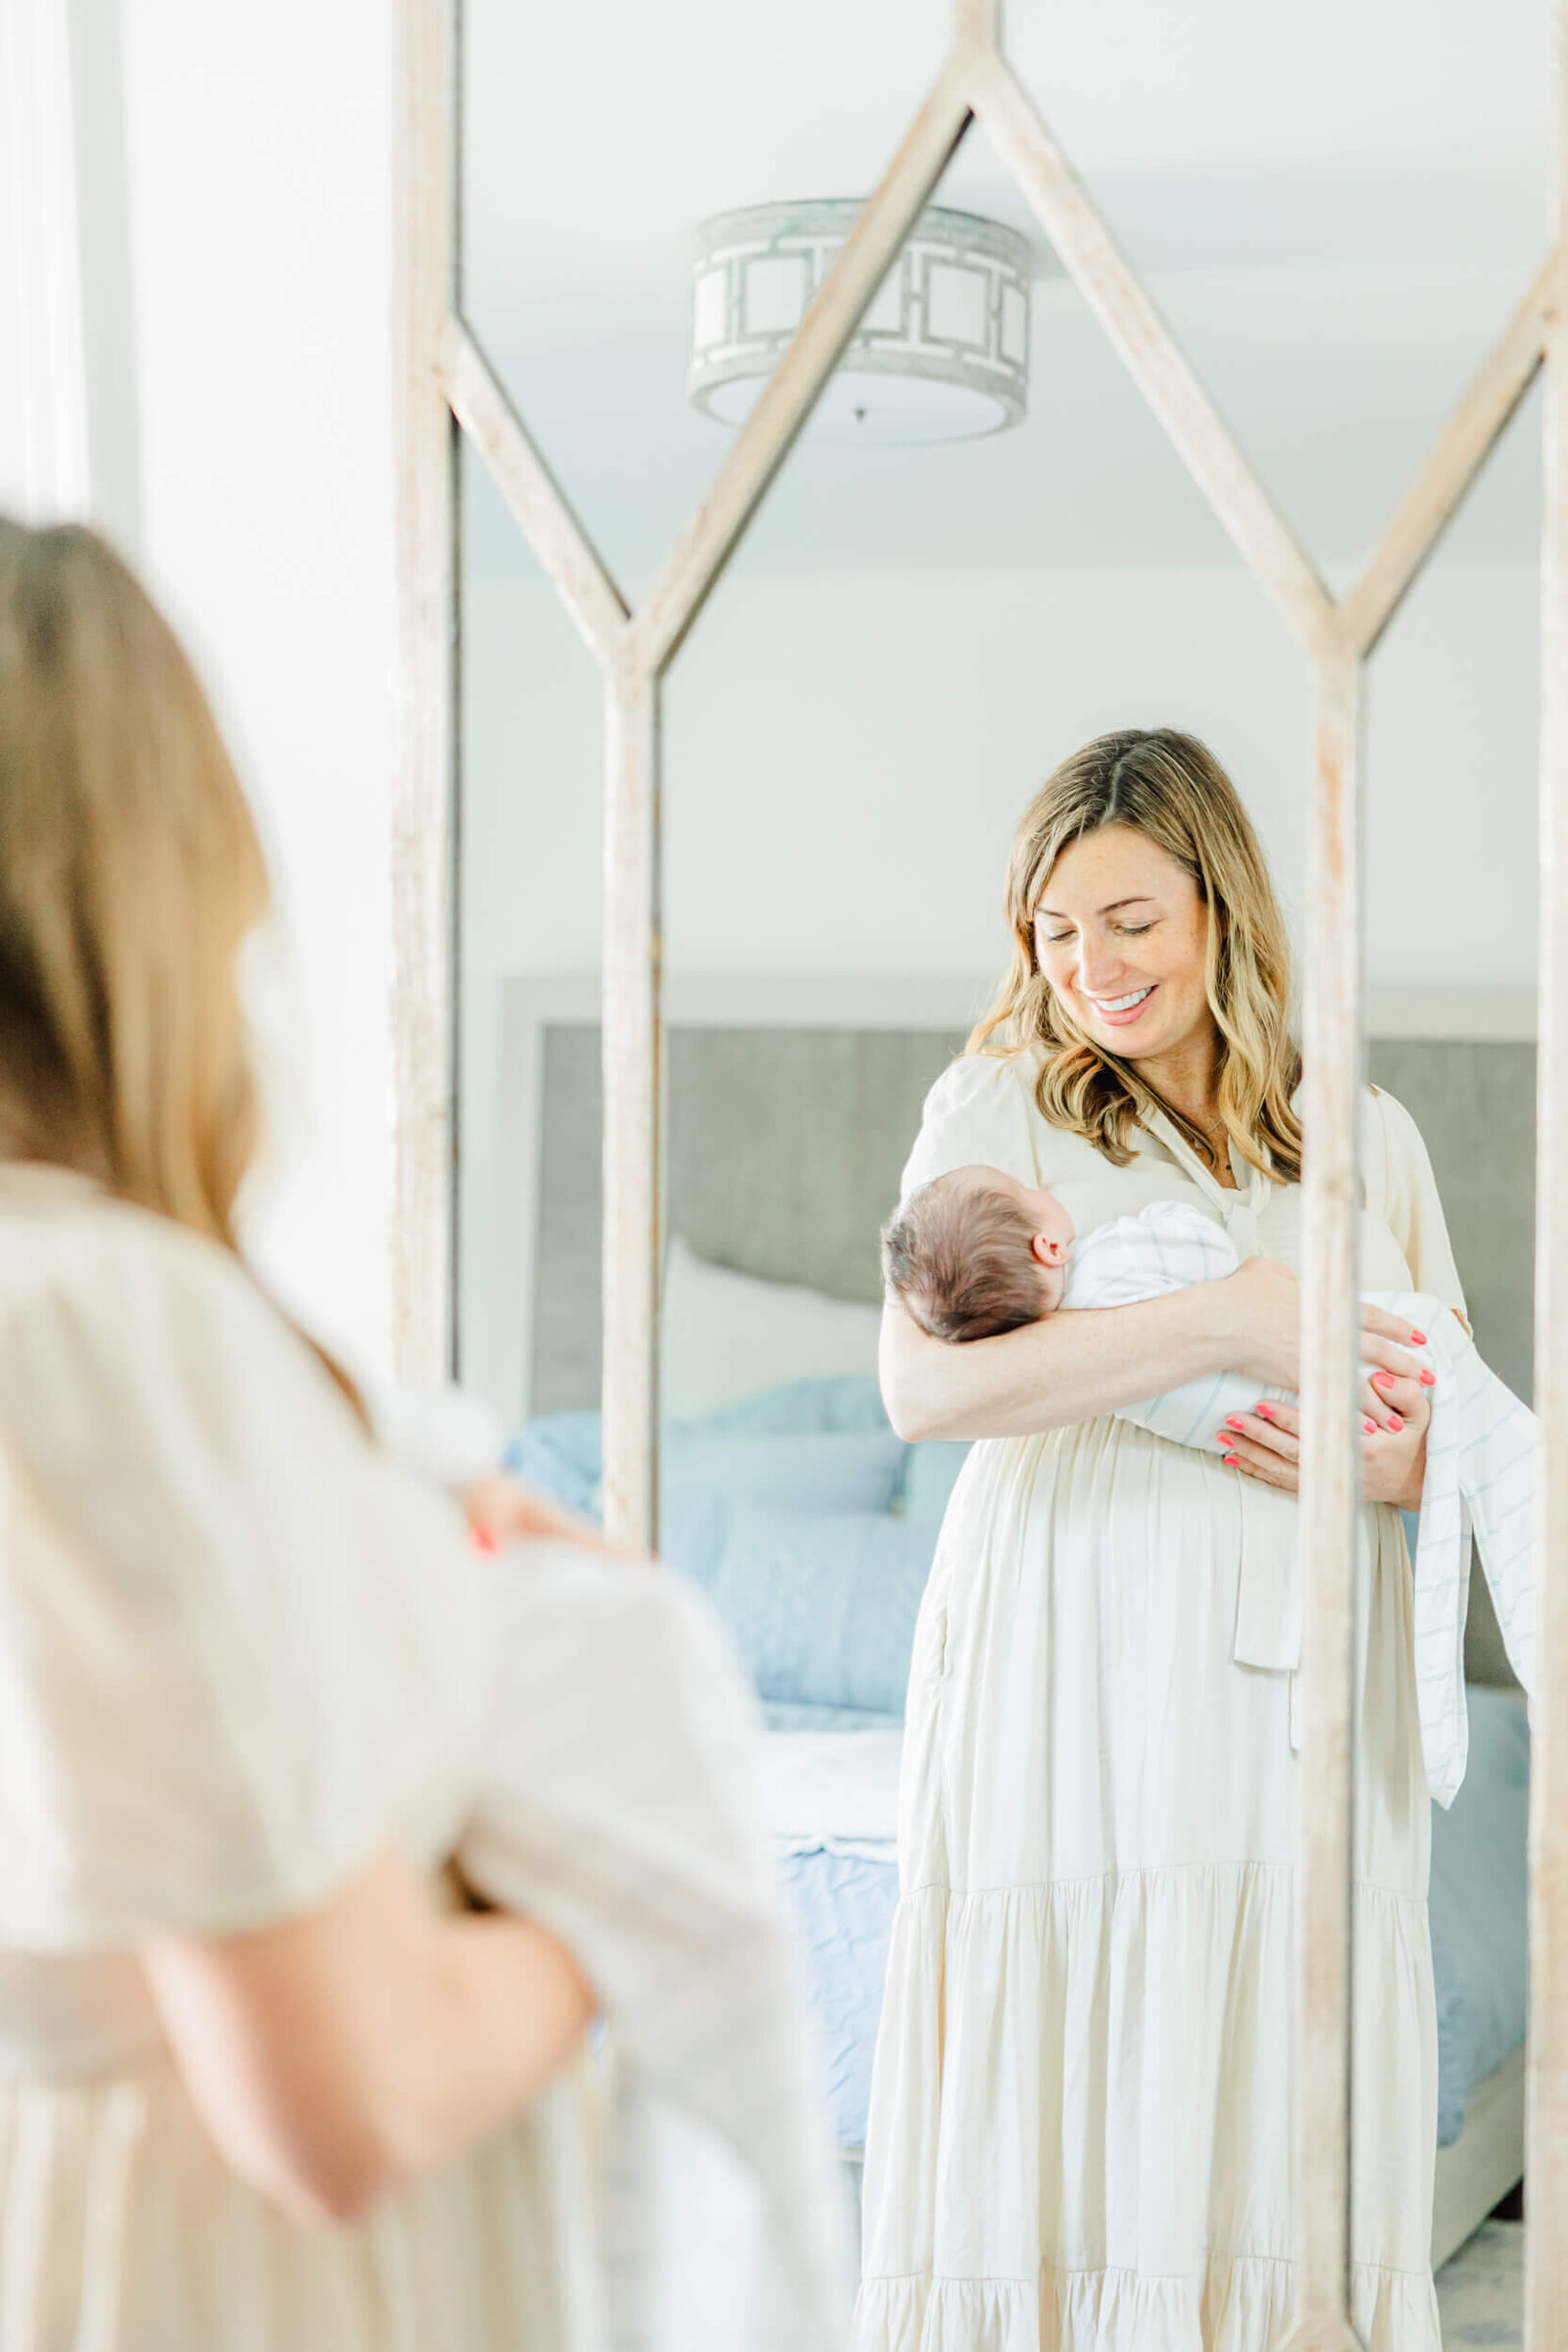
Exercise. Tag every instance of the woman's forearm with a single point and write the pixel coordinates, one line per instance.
(1070, 1366)
(334, 2056)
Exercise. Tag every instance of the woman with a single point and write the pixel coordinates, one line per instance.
(242, 1661)
(1081, 2122)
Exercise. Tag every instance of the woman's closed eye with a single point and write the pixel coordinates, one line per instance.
(1060, 939)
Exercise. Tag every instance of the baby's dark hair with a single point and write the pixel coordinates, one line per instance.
(958, 1259)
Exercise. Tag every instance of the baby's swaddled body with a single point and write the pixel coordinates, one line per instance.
(1165, 1248)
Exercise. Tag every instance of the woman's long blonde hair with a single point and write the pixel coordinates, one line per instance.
(130, 873)
(1169, 787)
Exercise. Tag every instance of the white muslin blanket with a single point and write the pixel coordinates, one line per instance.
(621, 1809)
(1482, 1472)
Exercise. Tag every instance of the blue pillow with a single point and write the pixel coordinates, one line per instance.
(815, 1444)
(561, 1455)
(822, 1605)
(849, 1400)
(809, 1470)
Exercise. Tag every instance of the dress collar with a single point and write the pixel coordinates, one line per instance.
(1239, 1210)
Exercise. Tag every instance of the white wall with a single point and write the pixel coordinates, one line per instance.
(261, 213)
(846, 758)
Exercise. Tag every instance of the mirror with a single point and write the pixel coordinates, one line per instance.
(1337, 217)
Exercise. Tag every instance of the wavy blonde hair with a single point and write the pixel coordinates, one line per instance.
(1170, 788)
(130, 873)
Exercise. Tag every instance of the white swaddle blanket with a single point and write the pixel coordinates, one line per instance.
(622, 1808)
(1482, 1472)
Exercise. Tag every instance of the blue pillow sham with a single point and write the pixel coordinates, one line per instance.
(822, 1605)
(805, 1519)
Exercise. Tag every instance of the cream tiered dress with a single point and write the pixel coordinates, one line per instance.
(239, 1655)
(1081, 2126)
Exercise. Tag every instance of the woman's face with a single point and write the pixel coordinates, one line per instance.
(1121, 935)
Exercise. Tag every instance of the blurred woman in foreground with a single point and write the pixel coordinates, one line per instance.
(242, 1659)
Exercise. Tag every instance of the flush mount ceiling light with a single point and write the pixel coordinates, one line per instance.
(942, 354)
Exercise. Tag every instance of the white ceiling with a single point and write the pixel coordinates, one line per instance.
(1336, 207)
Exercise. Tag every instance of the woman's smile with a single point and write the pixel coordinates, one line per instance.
(1120, 1011)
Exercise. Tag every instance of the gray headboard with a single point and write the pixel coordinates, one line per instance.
(786, 1145)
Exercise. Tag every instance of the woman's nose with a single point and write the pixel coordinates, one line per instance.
(1099, 970)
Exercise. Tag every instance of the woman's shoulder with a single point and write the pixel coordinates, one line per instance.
(1390, 1134)
(984, 1077)
(65, 1242)
(984, 1109)
(98, 1295)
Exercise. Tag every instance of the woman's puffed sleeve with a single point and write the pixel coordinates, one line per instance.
(239, 1652)
(978, 1115)
(1411, 1207)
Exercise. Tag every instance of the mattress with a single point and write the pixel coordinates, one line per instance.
(842, 1884)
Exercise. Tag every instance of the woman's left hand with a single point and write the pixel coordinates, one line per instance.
(501, 1508)
(1266, 1445)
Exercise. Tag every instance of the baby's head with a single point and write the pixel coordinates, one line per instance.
(976, 1253)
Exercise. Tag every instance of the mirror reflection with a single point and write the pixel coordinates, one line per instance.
(1075, 1633)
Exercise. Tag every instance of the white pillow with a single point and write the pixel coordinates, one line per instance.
(728, 1336)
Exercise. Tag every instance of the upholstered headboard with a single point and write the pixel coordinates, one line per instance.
(785, 1149)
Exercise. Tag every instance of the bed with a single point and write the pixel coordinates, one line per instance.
(787, 1497)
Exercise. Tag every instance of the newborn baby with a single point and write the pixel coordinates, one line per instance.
(976, 1254)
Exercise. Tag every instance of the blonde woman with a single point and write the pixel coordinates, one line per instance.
(1081, 2119)
(241, 1658)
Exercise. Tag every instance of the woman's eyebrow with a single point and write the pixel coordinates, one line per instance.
(1141, 898)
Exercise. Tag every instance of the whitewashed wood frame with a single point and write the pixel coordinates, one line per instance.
(1546, 2077)
(446, 372)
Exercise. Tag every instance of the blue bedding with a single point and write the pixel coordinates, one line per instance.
(1477, 1902)
(845, 1907)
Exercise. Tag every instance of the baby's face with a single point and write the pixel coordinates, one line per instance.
(1054, 1232)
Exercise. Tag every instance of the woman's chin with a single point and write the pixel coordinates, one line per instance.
(1130, 1039)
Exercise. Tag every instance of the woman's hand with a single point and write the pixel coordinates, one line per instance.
(1263, 1301)
(501, 1508)
(1266, 1445)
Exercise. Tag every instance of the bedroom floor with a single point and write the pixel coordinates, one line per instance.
(1481, 2291)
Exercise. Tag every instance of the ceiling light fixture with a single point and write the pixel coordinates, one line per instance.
(942, 354)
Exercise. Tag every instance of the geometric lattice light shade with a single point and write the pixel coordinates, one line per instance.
(942, 354)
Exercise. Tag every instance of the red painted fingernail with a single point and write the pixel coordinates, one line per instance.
(1396, 1421)
(485, 1539)
(1265, 1412)
(1233, 1421)
(1419, 1339)
(1371, 1428)
(1429, 1380)
(1231, 1459)
(1383, 1379)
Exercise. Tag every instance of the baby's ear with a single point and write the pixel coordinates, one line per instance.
(1046, 1253)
